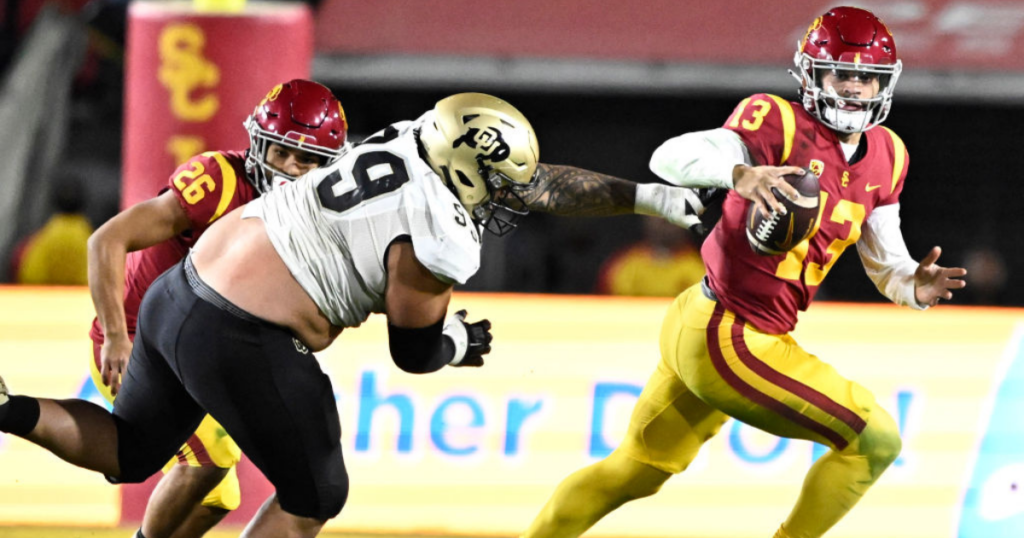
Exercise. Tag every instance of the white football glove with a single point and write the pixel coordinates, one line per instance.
(679, 205)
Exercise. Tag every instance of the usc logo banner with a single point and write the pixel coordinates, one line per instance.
(184, 71)
(192, 77)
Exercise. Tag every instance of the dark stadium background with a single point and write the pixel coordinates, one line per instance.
(962, 125)
(962, 190)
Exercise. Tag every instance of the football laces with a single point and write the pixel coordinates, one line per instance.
(764, 231)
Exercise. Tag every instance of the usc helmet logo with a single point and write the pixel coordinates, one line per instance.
(273, 93)
(814, 26)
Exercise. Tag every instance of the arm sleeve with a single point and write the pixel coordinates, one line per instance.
(700, 159)
(885, 256)
(420, 351)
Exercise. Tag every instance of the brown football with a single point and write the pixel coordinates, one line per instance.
(776, 234)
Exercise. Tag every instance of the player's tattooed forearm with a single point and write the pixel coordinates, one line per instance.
(574, 192)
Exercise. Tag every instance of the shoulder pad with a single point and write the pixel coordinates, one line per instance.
(205, 186)
(767, 125)
(444, 238)
(900, 160)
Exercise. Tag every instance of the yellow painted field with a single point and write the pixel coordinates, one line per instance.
(52, 532)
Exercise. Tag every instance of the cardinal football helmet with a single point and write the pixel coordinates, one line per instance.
(486, 152)
(298, 114)
(847, 39)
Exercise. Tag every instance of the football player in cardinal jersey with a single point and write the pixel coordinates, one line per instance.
(298, 127)
(725, 347)
(388, 228)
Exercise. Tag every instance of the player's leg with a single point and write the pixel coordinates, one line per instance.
(858, 466)
(198, 489)
(193, 497)
(285, 409)
(77, 431)
(668, 426)
(175, 508)
(276, 403)
(770, 382)
(154, 414)
(280, 408)
(274, 521)
(61, 426)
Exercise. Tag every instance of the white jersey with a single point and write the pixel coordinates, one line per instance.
(333, 226)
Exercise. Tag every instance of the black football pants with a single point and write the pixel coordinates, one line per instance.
(194, 353)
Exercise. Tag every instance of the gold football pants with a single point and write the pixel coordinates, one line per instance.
(713, 366)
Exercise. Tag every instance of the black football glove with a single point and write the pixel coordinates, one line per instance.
(708, 197)
(472, 340)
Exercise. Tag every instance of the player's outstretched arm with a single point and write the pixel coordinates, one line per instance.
(574, 192)
(415, 302)
(719, 159)
(932, 282)
(140, 226)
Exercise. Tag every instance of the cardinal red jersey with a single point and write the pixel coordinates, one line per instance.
(768, 291)
(208, 186)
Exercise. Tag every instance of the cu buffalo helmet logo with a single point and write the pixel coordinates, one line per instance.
(491, 145)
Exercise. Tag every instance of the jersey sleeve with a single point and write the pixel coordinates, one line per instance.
(900, 167)
(444, 238)
(767, 126)
(204, 186)
(885, 256)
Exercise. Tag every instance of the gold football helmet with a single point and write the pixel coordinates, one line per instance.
(485, 151)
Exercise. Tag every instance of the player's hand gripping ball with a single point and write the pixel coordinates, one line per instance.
(774, 234)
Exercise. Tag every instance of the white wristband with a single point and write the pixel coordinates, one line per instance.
(456, 330)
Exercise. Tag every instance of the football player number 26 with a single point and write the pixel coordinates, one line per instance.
(201, 183)
(374, 173)
(758, 110)
(844, 211)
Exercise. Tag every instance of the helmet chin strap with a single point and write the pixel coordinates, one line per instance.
(844, 121)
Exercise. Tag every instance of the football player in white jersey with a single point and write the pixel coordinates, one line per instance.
(388, 228)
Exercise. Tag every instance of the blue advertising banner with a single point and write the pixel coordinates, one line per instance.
(479, 451)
